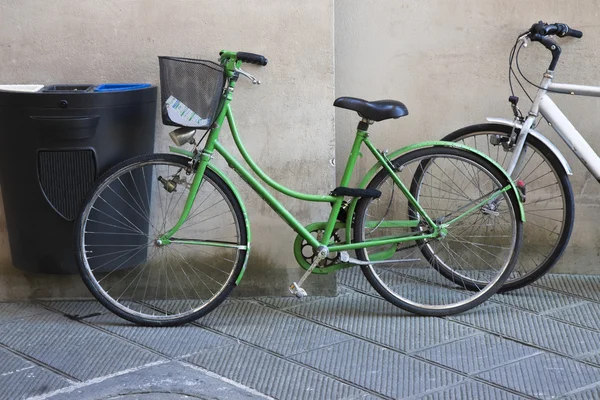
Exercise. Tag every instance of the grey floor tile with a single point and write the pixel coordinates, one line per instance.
(29, 382)
(586, 314)
(85, 309)
(270, 329)
(587, 286)
(355, 279)
(85, 352)
(286, 302)
(477, 353)
(380, 321)
(378, 369)
(587, 394)
(272, 375)
(168, 381)
(535, 299)
(591, 358)
(78, 350)
(77, 309)
(367, 396)
(441, 294)
(15, 311)
(11, 363)
(534, 329)
(543, 376)
(20, 378)
(470, 389)
(172, 341)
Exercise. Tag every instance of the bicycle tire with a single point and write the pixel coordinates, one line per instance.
(394, 283)
(528, 271)
(164, 309)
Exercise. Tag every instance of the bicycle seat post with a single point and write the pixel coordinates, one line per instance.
(364, 123)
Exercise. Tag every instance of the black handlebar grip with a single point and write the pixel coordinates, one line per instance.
(563, 30)
(558, 29)
(252, 58)
(575, 33)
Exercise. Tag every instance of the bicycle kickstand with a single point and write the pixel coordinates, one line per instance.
(295, 288)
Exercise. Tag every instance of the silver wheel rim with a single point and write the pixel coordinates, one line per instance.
(123, 223)
(437, 280)
(529, 257)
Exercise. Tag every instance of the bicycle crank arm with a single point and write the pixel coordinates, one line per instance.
(295, 288)
(345, 258)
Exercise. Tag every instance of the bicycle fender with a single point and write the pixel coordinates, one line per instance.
(237, 197)
(377, 167)
(244, 213)
(540, 137)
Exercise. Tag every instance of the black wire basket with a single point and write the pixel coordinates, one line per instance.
(190, 91)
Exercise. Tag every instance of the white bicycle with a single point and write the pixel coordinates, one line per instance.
(533, 161)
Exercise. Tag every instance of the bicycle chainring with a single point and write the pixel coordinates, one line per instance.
(309, 253)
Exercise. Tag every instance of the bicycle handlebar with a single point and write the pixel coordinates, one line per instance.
(244, 57)
(558, 29)
(540, 31)
(572, 32)
(252, 58)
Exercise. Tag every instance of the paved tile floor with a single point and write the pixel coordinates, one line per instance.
(540, 342)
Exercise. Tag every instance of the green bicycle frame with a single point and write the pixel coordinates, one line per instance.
(213, 144)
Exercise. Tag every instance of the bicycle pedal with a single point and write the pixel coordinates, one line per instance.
(297, 291)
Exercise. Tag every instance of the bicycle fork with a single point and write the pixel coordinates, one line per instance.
(204, 158)
(517, 161)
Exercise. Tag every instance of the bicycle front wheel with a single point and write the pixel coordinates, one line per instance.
(481, 246)
(144, 279)
(549, 204)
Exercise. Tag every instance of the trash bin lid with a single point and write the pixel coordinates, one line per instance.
(71, 97)
(21, 88)
(120, 87)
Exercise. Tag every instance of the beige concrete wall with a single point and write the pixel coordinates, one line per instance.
(448, 62)
(287, 122)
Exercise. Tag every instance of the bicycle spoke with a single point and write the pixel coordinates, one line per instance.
(470, 255)
(545, 206)
(144, 277)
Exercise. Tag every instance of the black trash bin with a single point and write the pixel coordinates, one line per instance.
(54, 143)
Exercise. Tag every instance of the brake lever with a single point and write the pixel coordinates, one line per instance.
(525, 39)
(247, 75)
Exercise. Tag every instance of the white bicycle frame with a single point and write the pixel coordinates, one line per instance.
(543, 104)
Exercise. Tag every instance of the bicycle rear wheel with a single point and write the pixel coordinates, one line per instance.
(549, 204)
(482, 246)
(142, 279)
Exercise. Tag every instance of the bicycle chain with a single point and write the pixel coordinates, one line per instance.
(331, 260)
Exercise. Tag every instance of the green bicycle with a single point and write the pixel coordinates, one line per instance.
(162, 239)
